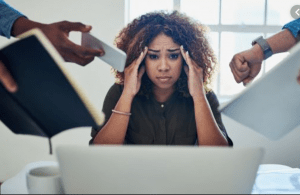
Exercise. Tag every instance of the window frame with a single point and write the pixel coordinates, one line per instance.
(219, 28)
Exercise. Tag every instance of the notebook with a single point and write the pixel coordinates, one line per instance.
(158, 169)
(271, 105)
(48, 100)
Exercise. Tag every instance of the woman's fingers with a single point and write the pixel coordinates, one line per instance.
(183, 53)
(140, 58)
(141, 72)
(188, 59)
(136, 63)
(186, 70)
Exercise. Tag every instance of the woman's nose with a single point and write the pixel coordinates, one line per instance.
(163, 65)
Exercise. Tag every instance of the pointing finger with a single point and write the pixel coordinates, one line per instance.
(74, 26)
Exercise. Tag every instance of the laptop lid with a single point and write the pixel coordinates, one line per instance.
(271, 105)
(158, 169)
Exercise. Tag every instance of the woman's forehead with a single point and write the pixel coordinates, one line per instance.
(163, 41)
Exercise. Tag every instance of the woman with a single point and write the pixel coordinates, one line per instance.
(163, 95)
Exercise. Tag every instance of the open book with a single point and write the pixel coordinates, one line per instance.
(47, 101)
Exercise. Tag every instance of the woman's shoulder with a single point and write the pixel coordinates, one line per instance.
(212, 98)
(115, 90)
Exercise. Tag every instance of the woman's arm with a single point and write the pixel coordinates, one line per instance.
(115, 129)
(208, 131)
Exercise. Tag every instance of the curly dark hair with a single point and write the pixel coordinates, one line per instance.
(183, 30)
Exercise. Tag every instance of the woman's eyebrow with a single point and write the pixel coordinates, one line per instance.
(173, 50)
(153, 50)
(169, 50)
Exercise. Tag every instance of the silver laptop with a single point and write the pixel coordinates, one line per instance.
(158, 169)
(271, 105)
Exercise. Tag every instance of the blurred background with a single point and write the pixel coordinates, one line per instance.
(233, 25)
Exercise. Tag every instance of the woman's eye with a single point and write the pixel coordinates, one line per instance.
(174, 56)
(152, 56)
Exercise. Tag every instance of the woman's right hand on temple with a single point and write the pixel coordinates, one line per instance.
(133, 76)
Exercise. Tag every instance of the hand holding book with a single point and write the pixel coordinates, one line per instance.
(48, 100)
(58, 34)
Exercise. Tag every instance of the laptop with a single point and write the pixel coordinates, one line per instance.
(158, 169)
(271, 105)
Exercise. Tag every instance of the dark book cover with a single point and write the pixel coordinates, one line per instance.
(47, 102)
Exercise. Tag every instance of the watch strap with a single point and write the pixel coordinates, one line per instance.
(264, 46)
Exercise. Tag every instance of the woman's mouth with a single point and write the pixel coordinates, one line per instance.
(164, 78)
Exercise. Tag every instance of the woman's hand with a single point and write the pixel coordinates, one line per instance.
(194, 74)
(133, 76)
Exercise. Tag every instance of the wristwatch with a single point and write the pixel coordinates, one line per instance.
(264, 46)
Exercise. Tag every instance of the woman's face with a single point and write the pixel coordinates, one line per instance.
(163, 62)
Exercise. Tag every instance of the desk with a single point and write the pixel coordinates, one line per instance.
(17, 184)
(270, 179)
(277, 179)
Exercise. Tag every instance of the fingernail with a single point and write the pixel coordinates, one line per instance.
(88, 26)
(187, 53)
(13, 88)
(181, 47)
(145, 48)
(142, 53)
(102, 53)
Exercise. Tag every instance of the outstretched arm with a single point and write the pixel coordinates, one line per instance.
(15, 23)
(246, 65)
(58, 34)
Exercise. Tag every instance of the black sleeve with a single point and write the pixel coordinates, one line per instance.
(111, 99)
(214, 104)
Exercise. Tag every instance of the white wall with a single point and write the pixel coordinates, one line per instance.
(107, 18)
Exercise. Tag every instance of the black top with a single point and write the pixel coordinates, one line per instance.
(169, 123)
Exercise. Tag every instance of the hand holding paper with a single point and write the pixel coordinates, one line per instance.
(113, 56)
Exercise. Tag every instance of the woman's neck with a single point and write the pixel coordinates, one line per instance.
(162, 95)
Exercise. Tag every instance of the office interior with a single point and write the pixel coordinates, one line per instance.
(107, 19)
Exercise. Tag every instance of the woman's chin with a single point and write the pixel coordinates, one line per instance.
(164, 86)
